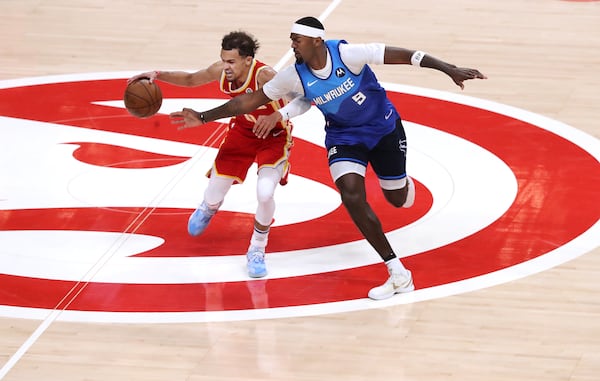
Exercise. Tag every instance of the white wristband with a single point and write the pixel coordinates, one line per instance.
(417, 57)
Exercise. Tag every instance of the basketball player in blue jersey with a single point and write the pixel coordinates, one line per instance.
(362, 126)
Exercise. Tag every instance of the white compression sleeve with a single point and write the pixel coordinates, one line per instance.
(297, 106)
(217, 189)
(267, 181)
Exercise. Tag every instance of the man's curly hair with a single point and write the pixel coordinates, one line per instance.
(245, 43)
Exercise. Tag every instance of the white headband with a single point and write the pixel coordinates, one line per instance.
(308, 31)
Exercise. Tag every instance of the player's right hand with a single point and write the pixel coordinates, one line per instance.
(185, 118)
(151, 75)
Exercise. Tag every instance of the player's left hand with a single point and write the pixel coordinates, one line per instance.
(265, 124)
(461, 74)
(185, 118)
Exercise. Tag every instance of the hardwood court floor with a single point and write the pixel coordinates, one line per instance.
(542, 56)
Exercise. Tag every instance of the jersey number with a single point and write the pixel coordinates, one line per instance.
(359, 98)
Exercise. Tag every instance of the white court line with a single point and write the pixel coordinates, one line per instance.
(55, 313)
(321, 18)
(216, 136)
(89, 275)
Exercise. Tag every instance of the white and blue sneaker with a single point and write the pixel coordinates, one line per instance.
(199, 220)
(256, 262)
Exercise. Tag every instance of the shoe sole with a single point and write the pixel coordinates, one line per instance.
(399, 291)
(195, 233)
(403, 290)
(260, 275)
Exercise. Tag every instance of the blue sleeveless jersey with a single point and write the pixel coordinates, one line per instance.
(355, 106)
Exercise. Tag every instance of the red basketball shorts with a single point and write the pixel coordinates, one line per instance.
(240, 148)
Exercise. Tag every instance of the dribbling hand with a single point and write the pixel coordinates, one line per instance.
(151, 75)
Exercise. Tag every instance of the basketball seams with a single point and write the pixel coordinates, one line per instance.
(141, 100)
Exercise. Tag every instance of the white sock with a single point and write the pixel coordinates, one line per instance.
(212, 208)
(259, 238)
(395, 266)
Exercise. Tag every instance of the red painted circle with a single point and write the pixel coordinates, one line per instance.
(543, 216)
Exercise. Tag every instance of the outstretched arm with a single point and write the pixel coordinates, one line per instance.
(242, 104)
(395, 55)
(265, 123)
(182, 78)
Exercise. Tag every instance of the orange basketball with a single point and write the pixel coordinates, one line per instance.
(142, 98)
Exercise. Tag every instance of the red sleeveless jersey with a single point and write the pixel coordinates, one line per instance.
(251, 85)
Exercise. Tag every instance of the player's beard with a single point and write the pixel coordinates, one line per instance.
(299, 59)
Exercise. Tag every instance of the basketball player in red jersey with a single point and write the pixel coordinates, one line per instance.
(238, 72)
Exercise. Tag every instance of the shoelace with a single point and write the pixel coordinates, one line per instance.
(396, 279)
(256, 257)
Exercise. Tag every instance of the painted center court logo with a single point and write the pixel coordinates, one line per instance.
(94, 206)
